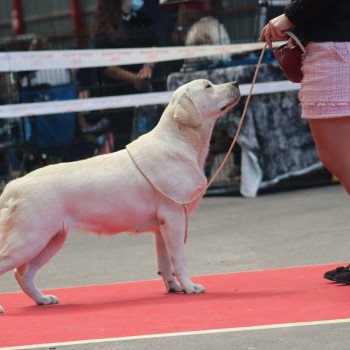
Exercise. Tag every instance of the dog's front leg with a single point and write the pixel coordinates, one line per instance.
(172, 228)
(164, 265)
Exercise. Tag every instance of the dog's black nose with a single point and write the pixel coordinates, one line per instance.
(235, 84)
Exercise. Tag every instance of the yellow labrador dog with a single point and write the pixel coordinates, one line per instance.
(115, 192)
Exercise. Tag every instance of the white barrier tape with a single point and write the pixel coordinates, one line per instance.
(270, 87)
(68, 59)
(89, 104)
(101, 103)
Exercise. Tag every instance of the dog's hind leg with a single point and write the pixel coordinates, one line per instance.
(15, 251)
(25, 273)
(165, 268)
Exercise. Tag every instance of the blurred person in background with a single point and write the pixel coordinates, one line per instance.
(206, 31)
(118, 24)
(48, 138)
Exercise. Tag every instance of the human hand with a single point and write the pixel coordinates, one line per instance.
(274, 30)
(146, 71)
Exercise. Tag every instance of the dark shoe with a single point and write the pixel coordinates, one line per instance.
(343, 277)
(330, 275)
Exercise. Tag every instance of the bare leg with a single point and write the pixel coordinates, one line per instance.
(172, 228)
(164, 265)
(26, 272)
(332, 138)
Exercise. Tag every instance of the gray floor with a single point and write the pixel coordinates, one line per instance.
(227, 234)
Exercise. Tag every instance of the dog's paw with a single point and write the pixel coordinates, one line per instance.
(194, 289)
(1, 310)
(173, 287)
(47, 300)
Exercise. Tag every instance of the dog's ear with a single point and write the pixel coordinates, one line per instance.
(186, 112)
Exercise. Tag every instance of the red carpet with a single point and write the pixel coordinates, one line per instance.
(140, 308)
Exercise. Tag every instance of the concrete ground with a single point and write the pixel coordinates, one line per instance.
(226, 234)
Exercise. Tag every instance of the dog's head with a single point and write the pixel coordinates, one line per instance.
(199, 100)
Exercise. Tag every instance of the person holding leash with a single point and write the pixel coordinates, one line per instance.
(325, 88)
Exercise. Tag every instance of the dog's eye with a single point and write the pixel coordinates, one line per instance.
(208, 86)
